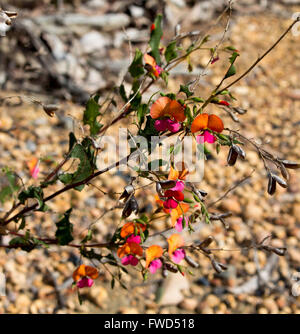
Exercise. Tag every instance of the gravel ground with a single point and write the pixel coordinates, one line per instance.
(256, 281)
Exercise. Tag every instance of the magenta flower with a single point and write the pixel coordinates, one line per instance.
(179, 186)
(206, 137)
(129, 259)
(158, 69)
(179, 223)
(85, 282)
(167, 124)
(170, 203)
(155, 265)
(134, 238)
(178, 255)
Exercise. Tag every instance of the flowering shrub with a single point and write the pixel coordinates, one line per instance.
(177, 197)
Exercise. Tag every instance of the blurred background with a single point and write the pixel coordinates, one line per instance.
(62, 51)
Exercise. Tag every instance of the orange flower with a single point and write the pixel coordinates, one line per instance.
(129, 228)
(175, 241)
(164, 107)
(153, 252)
(33, 166)
(84, 271)
(205, 121)
(152, 66)
(130, 248)
(181, 209)
(178, 175)
(178, 212)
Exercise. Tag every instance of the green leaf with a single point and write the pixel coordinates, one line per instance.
(84, 170)
(90, 115)
(64, 229)
(135, 95)
(122, 93)
(142, 112)
(185, 89)
(72, 141)
(231, 71)
(197, 99)
(230, 48)
(136, 69)
(27, 242)
(188, 200)
(33, 192)
(149, 129)
(22, 225)
(155, 38)
(88, 237)
(171, 53)
(165, 76)
(8, 185)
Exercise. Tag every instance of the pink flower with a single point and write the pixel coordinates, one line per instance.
(206, 137)
(179, 186)
(155, 265)
(170, 203)
(158, 69)
(34, 168)
(178, 255)
(85, 282)
(179, 223)
(129, 259)
(167, 124)
(134, 238)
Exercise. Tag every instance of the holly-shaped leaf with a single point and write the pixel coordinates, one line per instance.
(33, 192)
(156, 35)
(171, 52)
(90, 115)
(64, 229)
(84, 170)
(136, 69)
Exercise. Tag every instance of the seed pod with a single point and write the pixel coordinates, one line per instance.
(50, 109)
(12, 15)
(280, 181)
(239, 151)
(216, 216)
(240, 110)
(290, 164)
(232, 156)
(130, 206)
(219, 267)
(284, 172)
(206, 242)
(203, 192)
(159, 189)
(225, 224)
(281, 251)
(198, 192)
(128, 190)
(167, 184)
(271, 185)
(170, 267)
(191, 262)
